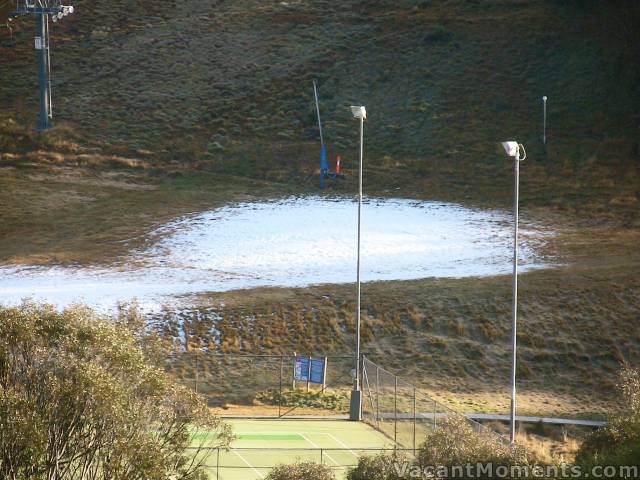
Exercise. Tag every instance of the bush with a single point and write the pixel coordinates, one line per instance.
(456, 443)
(301, 471)
(380, 467)
(618, 443)
(79, 398)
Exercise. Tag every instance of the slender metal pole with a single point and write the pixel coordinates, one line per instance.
(395, 410)
(196, 373)
(514, 305)
(414, 420)
(544, 121)
(280, 388)
(315, 94)
(435, 408)
(358, 261)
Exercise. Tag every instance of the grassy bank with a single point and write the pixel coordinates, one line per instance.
(449, 336)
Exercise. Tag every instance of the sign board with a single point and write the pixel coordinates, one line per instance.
(39, 44)
(310, 370)
(301, 372)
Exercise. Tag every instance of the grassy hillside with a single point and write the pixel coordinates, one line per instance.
(165, 108)
(230, 81)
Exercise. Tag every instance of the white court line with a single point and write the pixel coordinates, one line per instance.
(343, 444)
(314, 445)
(248, 464)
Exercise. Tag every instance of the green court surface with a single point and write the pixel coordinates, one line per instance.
(262, 444)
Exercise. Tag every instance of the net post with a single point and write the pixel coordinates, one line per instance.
(395, 409)
(321, 457)
(414, 421)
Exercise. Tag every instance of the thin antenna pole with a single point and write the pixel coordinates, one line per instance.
(315, 93)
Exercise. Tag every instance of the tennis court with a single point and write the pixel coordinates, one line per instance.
(262, 444)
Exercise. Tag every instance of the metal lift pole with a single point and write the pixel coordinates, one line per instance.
(42, 46)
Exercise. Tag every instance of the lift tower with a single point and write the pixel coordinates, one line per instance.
(44, 10)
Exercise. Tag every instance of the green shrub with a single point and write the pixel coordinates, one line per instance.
(80, 399)
(301, 471)
(456, 443)
(618, 443)
(379, 467)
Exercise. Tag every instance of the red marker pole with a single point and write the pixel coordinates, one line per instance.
(337, 164)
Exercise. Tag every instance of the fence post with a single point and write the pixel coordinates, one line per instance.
(378, 396)
(414, 421)
(324, 376)
(196, 353)
(395, 410)
(280, 388)
(293, 386)
(218, 464)
(321, 460)
(435, 425)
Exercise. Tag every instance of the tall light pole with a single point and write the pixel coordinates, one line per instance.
(355, 411)
(513, 151)
(544, 120)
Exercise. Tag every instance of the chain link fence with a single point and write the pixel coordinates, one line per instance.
(263, 384)
(401, 411)
(256, 463)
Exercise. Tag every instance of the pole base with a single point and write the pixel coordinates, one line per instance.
(44, 127)
(355, 406)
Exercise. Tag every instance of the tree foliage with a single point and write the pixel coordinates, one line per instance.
(79, 399)
(457, 443)
(301, 471)
(379, 467)
(618, 443)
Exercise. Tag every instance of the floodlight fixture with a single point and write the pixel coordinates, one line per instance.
(359, 112)
(513, 148)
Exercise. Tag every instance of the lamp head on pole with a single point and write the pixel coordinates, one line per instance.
(359, 112)
(544, 98)
(513, 149)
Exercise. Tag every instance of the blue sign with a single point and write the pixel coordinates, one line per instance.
(317, 371)
(310, 370)
(301, 373)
